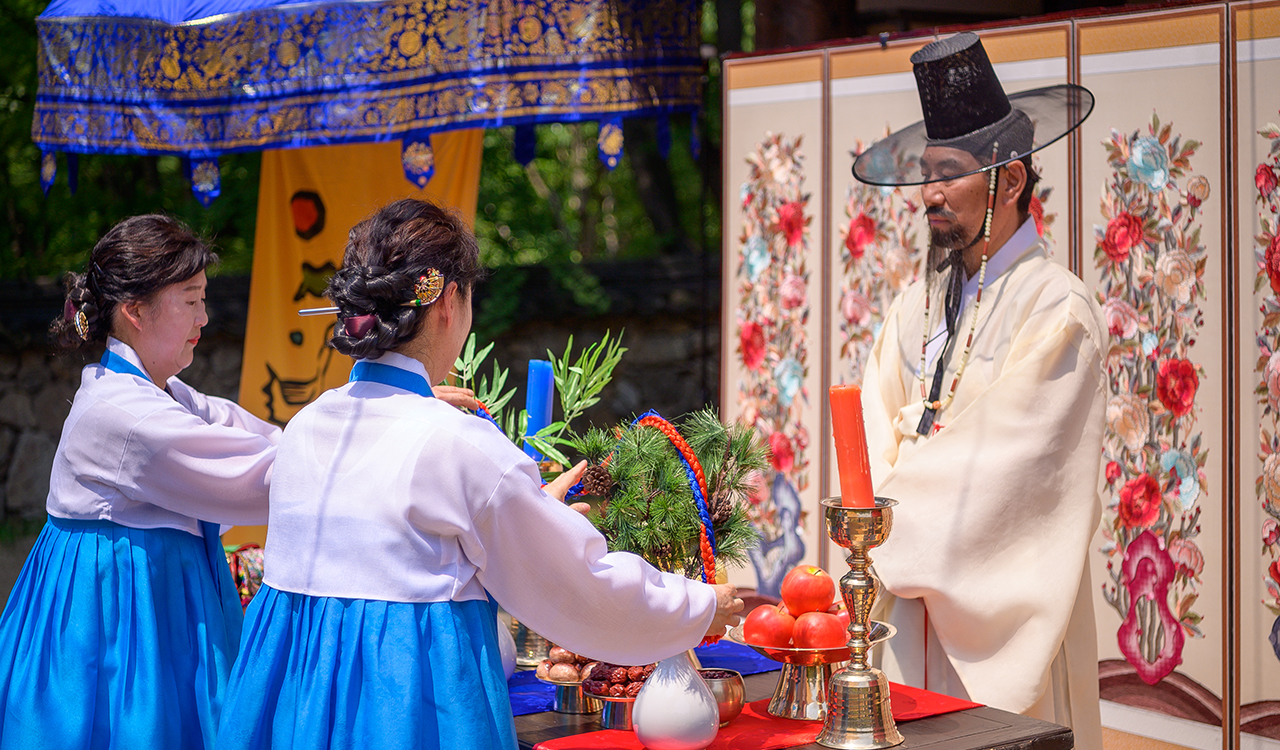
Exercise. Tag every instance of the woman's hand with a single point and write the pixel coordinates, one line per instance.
(728, 605)
(559, 487)
(463, 398)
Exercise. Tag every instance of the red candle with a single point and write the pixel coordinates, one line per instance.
(851, 447)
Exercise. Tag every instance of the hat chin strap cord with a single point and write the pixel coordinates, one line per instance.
(932, 404)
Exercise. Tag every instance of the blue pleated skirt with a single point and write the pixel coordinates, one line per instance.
(320, 672)
(115, 637)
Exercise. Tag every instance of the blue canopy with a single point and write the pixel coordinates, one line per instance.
(206, 77)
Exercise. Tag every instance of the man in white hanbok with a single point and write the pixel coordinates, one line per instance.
(984, 400)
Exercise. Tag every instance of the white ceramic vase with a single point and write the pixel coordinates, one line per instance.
(506, 646)
(675, 709)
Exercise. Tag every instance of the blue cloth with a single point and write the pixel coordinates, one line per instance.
(531, 696)
(393, 376)
(322, 672)
(113, 637)
(220, 571)
(735, 656)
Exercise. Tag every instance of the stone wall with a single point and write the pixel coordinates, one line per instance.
(669, 310)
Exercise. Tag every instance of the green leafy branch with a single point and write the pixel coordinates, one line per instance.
(488, 392)
(579, 383)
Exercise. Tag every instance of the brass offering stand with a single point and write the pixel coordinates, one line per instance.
(802, 685)
(858, 715)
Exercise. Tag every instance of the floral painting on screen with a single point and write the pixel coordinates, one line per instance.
(1152, 288)
(1267, 255)
(773, 346)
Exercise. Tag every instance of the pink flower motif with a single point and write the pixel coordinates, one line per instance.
(1176, 385)
(1265, 179)
(802, 437)
(862, 232)
(898, 271)
(1148, 572)
(1176, 275)
(1187, 556)
(1129, 418)
(1122, 318)
(791, 222)
(1272, 374)
(781, 455)
(1197, 190)
(1271, 260)
(794, 292)
(1270, 532)
(856, 308)
(1113, 472)
(1271, 479)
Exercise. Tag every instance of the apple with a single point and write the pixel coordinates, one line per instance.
(819, 630)
(769, 627)
(839, 610)
(807, 588)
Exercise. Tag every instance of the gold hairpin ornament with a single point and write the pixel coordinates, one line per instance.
(82, 325)
(427, 289)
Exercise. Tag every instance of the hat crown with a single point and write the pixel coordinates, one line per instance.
(959, 91)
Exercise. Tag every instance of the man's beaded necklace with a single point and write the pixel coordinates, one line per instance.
(943, 403)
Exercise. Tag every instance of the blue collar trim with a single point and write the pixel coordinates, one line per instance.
(392, 376)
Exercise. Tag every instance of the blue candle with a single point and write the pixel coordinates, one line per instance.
(541, 389)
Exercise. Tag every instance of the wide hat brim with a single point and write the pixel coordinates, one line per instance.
(1054, 111)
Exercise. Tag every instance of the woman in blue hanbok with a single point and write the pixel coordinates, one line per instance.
(124, 621)
(398, 520)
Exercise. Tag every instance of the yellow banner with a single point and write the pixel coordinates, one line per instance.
(308, 200)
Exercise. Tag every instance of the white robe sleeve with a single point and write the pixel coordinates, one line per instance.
(551, 569)
(219, 472)
(215, 410)
(997, 510)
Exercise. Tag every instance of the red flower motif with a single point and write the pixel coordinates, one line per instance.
(1123, 233)
(1265, 179)
(1274, 570)
(782, 457)
(1176, 384)
(1037, 212)
(792, 222)
(1273, 263)
(751, 342)
(1140, 502)
(1113, 472)
(862, 232)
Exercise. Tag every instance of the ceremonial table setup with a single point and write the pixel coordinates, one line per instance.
(798, 674)
(924, 719)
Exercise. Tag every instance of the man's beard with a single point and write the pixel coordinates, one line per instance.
(943, 241)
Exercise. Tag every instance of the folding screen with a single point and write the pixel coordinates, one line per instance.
(1152, 180)
(1256, 44)
(1166, 204)
(772, 315)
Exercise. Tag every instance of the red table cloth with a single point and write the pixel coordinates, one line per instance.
(756, 728)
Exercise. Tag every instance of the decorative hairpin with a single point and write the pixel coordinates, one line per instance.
(76, 318)
(427, 288)
(82, 324)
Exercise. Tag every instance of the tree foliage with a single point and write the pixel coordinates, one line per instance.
(562, 209)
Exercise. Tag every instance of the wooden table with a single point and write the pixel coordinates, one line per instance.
(974, 729)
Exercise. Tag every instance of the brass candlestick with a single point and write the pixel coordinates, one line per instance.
(858, 716)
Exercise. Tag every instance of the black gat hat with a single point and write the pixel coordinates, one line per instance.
(965, 107)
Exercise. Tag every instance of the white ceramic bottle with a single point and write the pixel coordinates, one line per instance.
(675, 709)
